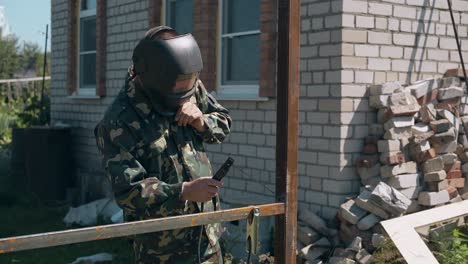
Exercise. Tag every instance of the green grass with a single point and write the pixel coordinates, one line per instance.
(23, 214)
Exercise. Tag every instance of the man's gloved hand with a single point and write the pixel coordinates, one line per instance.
(190, 114)
(200, 190)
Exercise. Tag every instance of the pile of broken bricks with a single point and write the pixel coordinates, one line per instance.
(415, 158)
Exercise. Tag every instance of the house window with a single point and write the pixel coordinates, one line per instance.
(239, 42)
(87, 48)
(179, 15)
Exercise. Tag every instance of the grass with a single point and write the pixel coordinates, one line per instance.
(23, 214)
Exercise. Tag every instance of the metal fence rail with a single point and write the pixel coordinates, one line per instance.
(65, 237)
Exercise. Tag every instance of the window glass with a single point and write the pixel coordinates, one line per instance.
(180, 15)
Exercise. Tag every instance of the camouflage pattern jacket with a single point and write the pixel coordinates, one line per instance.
(147, 156)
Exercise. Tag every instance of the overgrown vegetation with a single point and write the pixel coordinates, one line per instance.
(452, 248)
(20, 103)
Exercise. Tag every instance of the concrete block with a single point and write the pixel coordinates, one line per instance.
(445, 148)
(420, 128)
(436, 186)
(405, 168)
(388, 145)
(449, 158)
(463, 139)
(456, 123)
(450, 105)
(464, 168)
(435, 164)
(307, 235)
(314, 221)
(392, 158)
(443, 138)
(403, 110)
(428, 98)
(403, 98)
(363, 257)
(450, 82)
(398, 133)
(457, 183)
(457, 199)
(363, 202)
(435, 176)
(366, 173)
(414, 207)
(356, 244)
(378, 101)
(411, 192)
(386, 88)
(351, 212)
(311, 252)
(368, 222)
(399, 121)
(433, 198)
(389, 199)
(404, 180)
(423, 87)
(440, 126)
(340, 260)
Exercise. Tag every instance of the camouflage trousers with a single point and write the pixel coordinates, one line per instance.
(144, 254)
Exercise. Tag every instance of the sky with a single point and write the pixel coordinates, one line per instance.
(28, 19)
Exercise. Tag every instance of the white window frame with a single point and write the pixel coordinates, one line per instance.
(81, 91)
(232, 91)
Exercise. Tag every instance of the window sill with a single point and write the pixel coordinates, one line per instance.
(83, 97)
(240, 98)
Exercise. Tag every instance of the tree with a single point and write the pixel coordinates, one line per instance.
(9, 59)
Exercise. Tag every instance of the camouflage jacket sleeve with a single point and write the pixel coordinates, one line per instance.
(135, 191)
(216, 117)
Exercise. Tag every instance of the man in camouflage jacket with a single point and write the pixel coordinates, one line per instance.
(158, 167)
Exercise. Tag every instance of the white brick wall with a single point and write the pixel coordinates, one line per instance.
(345, 46)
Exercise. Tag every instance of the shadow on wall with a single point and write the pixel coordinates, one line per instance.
(421, 32)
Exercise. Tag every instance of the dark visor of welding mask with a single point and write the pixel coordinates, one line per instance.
(171, 65)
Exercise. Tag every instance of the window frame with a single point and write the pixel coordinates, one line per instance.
(165, 15)
(82, 91)
(227, 91)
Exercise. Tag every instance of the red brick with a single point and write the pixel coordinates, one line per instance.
(426, 155)
(454, 174)
(457, 183)
(453, 167)
(455, 73)
(452, 192)
(397, 158)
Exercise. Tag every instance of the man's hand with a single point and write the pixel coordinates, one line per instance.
(190, 114)
(200, 190)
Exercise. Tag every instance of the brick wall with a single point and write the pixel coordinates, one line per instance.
(345, 46)
(404, 40)
(127, 20)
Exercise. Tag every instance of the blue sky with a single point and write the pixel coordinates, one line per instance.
(28, 19)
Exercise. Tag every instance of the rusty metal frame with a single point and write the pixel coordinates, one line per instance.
(285, 210)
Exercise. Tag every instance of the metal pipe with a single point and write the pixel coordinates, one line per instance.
(19, 243)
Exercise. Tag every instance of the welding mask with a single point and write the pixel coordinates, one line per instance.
(168, 68)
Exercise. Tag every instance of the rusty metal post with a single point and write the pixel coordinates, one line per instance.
(287, 129)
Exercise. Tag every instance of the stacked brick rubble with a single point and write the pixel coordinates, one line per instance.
(415, 158)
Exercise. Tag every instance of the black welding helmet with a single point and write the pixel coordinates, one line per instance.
(162, 62)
